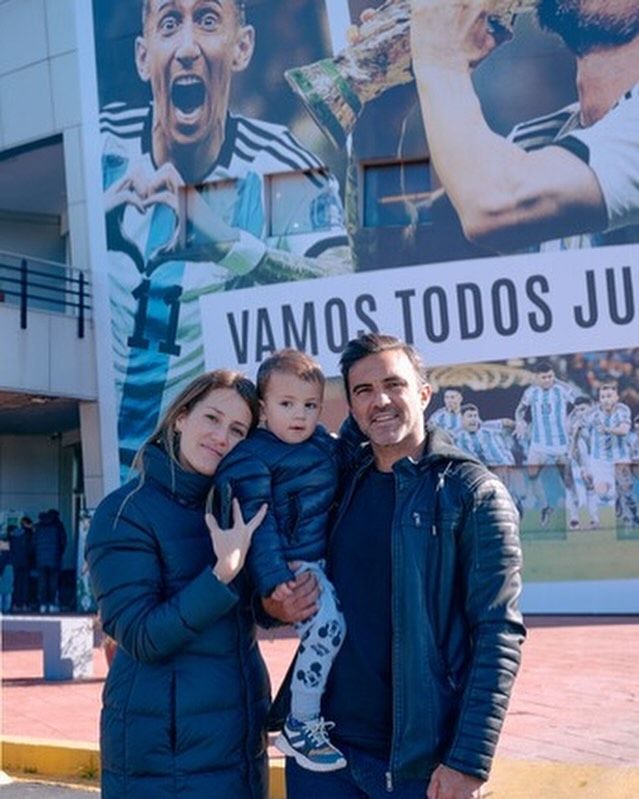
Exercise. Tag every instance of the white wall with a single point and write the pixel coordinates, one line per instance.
(29, 473)
(47, 357)
(40, 95)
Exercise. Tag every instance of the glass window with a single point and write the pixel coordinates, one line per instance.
(397, 194)
(302, 202)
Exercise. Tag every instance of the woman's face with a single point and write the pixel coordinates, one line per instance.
(212, 427)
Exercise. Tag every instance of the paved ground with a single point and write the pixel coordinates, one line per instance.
(39, 790)
(575, 704)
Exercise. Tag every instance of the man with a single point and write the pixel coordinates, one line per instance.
(607, 428)
(491, 442)
(486, 441)
(49, 543)
(508, 197)
(578, 460)
(425, 557)
(633, 441)
(547, 402)
(449, 417)
(188, 202)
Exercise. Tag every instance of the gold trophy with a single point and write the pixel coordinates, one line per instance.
(335, 90)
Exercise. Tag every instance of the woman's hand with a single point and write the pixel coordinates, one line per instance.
(230, 546)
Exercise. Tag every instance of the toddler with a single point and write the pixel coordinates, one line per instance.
(290, 463)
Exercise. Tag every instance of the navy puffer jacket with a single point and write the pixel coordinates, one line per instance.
(186, 696)
(299, 483)
(50, 540)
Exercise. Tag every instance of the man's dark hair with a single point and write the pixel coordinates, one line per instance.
(609, 382)
(468, 406)
(584, 31)
(240, 5)
(543, 366)
(372, 344)
(582, 400)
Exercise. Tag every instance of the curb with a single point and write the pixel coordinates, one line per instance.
(79, 762)
(74, 760)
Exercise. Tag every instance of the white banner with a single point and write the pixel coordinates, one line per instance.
(458, 312)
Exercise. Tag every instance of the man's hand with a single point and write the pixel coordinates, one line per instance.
(521, 429)
(301, 603)
(447, 783)
(454, 34)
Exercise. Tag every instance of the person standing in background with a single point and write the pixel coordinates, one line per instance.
(6, 574)
(21, 544)
(50, 540)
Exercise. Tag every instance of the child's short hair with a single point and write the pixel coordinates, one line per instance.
(290, 362)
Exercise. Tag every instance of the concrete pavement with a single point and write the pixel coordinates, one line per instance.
(572, 730)
(21, 789)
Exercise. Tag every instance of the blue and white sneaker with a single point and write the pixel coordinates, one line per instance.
(308, 743)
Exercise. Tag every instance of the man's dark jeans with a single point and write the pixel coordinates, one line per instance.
(48, 583)
(363, 778)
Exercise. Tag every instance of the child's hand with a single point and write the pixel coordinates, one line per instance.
(282, 591)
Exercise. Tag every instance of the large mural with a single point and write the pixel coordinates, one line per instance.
(293, 172)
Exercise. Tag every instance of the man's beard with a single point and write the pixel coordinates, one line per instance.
(585, 31)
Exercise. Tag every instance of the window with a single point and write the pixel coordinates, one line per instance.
(302, 202)
(397, 194)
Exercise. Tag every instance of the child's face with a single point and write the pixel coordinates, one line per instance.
(291, 407)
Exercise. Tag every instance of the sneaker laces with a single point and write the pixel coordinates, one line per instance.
(317, 731)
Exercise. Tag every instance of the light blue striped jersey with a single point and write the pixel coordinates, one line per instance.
(578, 434)
(549, 411)
(489, 444)
(156, 324)
(610, 447)
(446, 420)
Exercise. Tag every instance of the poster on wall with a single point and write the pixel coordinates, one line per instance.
(292, 173)
(209, 180)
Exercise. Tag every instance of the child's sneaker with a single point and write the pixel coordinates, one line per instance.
(308, 743)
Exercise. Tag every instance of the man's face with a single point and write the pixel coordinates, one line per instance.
(608, 397)
(581, 410)
(546, 380)
(388, 399)
(587, 25)
(188, 52)
(470, 421)
(452, 400)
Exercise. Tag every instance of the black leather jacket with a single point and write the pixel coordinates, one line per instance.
(457, 629)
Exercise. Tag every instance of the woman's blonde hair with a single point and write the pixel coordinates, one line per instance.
(165, 433)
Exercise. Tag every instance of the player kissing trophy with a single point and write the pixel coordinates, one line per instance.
(335, 90)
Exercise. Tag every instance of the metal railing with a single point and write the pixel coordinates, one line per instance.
(35, 284)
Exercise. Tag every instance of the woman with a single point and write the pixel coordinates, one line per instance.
(186, 697)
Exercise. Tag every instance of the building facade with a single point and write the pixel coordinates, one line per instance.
(167, 207)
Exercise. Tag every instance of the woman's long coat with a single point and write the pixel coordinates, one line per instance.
(187, 694)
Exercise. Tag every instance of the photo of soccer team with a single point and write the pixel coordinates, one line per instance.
(562, 432)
